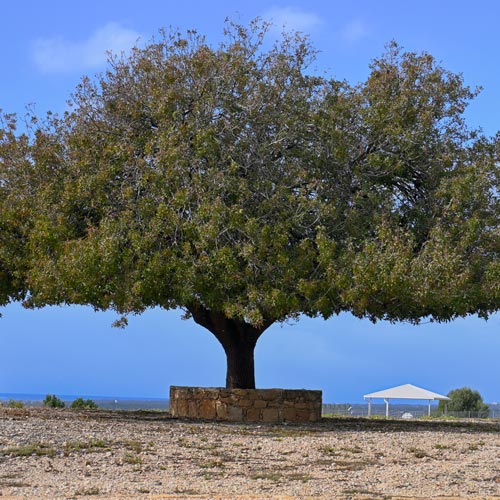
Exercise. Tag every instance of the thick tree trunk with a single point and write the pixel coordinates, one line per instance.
(240, 362)
(238, 340)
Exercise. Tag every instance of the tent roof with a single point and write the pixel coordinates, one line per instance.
(406, 391)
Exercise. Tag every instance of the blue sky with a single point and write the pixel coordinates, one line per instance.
(46, 48)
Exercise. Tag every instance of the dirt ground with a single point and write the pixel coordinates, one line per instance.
(100, 454)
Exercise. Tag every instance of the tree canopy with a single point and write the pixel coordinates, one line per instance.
(465, 399)
(234, 183)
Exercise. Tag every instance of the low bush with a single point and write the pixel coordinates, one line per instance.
(84, 404)
(52, 401)
(14, 403)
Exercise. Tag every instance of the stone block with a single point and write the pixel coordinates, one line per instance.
(208, 394)
(260, 404)
(235, 414)
(253, 415)
(180, 408)
(271, 394)
(270, 415)
(245, 403)
(239, 393)
(275, 404)
(207, 409)
(303, 406)
(221, 411)
(192, 409)
(174, 392)
(253, 395)
(302, 415)
(313, 395)
(289, 414)
(293, 394)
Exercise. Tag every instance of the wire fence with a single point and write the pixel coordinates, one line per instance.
(403, 411)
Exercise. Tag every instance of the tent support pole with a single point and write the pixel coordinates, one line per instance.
(386, 408)
(429, 410)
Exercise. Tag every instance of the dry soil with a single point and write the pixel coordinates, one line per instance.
(102, 454)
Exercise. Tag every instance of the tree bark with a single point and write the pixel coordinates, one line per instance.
(238, 340)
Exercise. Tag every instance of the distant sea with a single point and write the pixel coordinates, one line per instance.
(106, 402)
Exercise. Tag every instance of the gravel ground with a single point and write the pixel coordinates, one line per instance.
(115, 454)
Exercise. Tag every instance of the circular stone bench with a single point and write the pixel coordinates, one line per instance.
(246, 405)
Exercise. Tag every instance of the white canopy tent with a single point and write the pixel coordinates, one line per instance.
(406, 391)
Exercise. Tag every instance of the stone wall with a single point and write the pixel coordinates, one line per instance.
(246, 405)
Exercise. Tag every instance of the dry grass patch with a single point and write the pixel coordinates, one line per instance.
(211, 464)
(475, 446)
(354, 449)
(28, 450)
(188, 491)
(371, 494)
(297, 476)
(135, 446)
(267, 476)
(418, 452)
(12, 481)
(92, 446)
(329, 450)
(439, 446)
(131, 458)
(87, 492)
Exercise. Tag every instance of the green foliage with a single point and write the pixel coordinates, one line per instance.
(230, 179)
(52, 401)
(465, 400)
(231, 182)
(14, 151)
(14, 403)
(81, 403)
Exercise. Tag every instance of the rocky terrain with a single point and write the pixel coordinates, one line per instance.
(116, 454)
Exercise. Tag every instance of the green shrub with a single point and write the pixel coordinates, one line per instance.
(52, 401)
(14, 403)
(465, 400)
(84, 403)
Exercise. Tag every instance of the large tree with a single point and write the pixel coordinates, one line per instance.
(234, 183)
